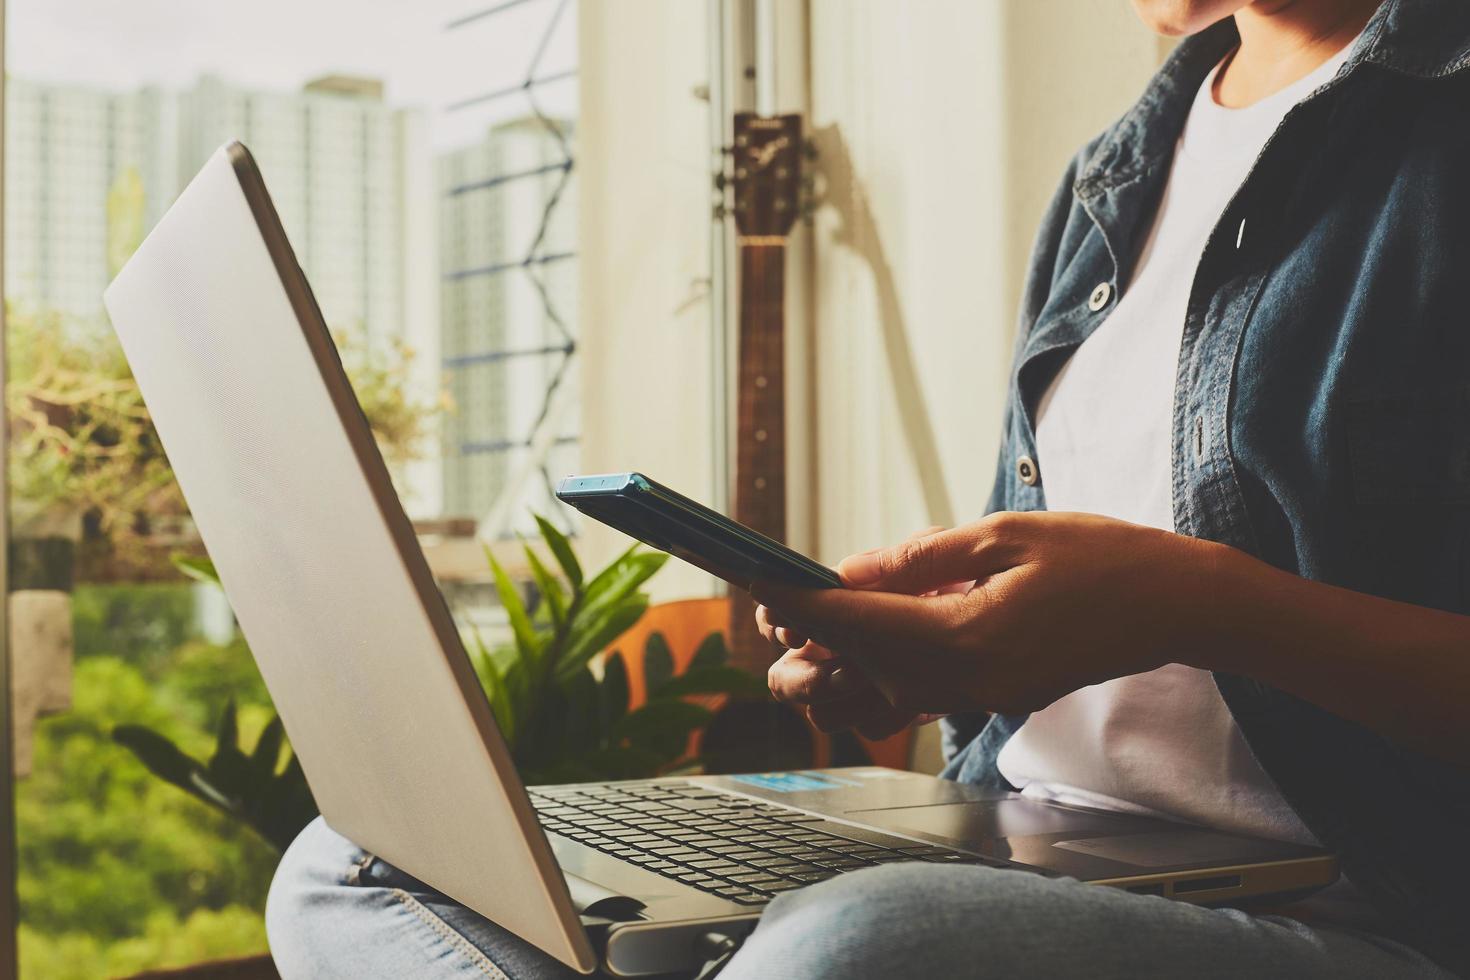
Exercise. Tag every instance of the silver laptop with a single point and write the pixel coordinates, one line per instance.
(395, 735)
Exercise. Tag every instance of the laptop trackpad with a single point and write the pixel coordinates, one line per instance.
(985, 820)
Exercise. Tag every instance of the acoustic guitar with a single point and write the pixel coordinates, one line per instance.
(766, 178)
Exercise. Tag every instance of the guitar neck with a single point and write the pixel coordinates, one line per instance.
(760, 458)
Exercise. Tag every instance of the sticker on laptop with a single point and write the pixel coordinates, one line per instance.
(795, 782)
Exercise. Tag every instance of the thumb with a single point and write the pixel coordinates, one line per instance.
(933, 561)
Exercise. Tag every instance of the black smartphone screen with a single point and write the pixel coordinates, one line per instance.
(671, 522)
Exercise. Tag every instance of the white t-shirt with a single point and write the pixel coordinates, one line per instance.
(1163, 742)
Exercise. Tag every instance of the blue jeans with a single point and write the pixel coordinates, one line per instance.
(335, 911)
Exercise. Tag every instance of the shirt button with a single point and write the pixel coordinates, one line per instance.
(1027, 471)
(1101, 293)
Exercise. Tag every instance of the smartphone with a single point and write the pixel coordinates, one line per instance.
(671, 522)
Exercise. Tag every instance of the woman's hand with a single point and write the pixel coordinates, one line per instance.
(1058, 602)
(835, 694)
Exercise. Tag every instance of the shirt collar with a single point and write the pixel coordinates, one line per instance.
(1421, 38)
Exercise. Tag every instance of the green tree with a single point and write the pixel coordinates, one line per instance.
(119, 871)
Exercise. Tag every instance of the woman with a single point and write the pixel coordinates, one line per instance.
(1240, 424)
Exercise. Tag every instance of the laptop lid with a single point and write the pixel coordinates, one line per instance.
(331, 589)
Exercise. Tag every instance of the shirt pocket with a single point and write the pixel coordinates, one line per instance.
(1411, 449)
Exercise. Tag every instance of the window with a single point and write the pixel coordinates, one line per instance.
(413, 199)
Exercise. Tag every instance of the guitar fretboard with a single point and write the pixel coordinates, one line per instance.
(760, 459)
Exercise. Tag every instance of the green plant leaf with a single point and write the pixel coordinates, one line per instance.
(496, 692)
(562, 549)
(599, 634)
(663, 727)
(515, 673)
(492, 668)
(200, 569)
(550, 589)
(711, 653)
(286, 807)
(227, 731)
(520, 624)
(618, 581)
(502, 690)
(613, 692)
(267, 752)
(658, 664)
(160, 755)
(714, 680)
(579, 714)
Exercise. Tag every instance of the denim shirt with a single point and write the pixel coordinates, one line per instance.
(1321, 406)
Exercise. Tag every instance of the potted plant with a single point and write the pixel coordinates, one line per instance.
(559, 697)
(564, 709)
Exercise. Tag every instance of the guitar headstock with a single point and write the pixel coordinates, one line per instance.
(766, 173)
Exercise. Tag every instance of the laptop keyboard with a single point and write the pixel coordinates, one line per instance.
(744, 850)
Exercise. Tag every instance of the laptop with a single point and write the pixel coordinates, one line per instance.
(395, 735)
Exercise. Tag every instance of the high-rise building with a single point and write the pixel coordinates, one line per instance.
(85, 171)
(335, 157)
(503, 320)
(89, 171)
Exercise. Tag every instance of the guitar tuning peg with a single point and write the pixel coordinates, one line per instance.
(721, 181)
(809, 149)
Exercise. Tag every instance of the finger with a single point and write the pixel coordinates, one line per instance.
(781, 637)
(767, 629)
(927, 532)
(763, 623)
(879, 630)
(923, 564)
(790, 638)
(811, 675)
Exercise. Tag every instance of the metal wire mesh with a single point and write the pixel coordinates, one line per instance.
(532, 263)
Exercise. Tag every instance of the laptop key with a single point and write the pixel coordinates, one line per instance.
(810, 854)
(770, 860)
(842, 863)
(812, 877)
(742, 854)
(783, 885)
(743, 896)
(711, 864)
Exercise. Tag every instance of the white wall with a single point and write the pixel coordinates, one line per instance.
(644, 255)
(942, 128)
